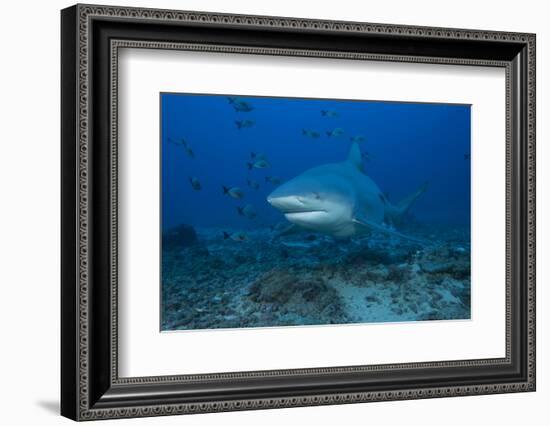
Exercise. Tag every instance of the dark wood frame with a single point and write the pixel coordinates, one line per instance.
(90, 386)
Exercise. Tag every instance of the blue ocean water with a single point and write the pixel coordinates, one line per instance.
(408, 143)
(209, 141)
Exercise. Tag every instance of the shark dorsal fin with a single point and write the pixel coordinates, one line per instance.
(354, 156)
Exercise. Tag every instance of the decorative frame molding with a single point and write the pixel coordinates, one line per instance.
(87, 397)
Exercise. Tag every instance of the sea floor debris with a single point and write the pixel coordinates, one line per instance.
(309, 279)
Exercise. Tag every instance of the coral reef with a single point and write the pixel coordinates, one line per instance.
(303, 279)
(310, 299)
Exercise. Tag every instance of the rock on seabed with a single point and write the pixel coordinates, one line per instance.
(179, 237)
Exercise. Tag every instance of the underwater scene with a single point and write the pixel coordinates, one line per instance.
(295, 211)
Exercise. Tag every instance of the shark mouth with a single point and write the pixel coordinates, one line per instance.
(297, 211)
(303, 213)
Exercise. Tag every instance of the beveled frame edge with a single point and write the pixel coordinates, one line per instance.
(80, 223)
(116, 45)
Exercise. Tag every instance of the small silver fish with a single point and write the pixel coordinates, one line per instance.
(336, 132)
(243, 124)
(366, 156)
(235, 236)
(311, 133)
(258, 156)
(189, 152)
(273, 179)
(242, 107)
(195, 183)
(247, 211)
(280, 226)
(260, 164)
(253, 184)
(234, 192)
(179, 142)
(358, 138)
(329, 113)
(239, 105)
(183, 143)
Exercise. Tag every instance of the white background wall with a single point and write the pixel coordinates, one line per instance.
(29, 212)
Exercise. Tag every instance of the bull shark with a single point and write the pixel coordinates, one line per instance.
(339, 200)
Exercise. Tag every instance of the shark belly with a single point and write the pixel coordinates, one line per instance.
(324, 223)
(345, 230)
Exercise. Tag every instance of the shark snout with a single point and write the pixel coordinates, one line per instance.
(284, 203)
(296, 196)
(291, 203)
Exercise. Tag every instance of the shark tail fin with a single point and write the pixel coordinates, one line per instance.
(407, 202)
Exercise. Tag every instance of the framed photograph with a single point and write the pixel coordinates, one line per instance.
(263, 212)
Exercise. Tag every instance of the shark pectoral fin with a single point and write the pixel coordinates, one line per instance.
(376, 227)
(291, 229)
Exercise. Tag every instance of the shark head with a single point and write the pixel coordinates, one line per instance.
(314, 201)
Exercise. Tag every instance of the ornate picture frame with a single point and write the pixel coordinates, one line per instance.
(91, 38)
